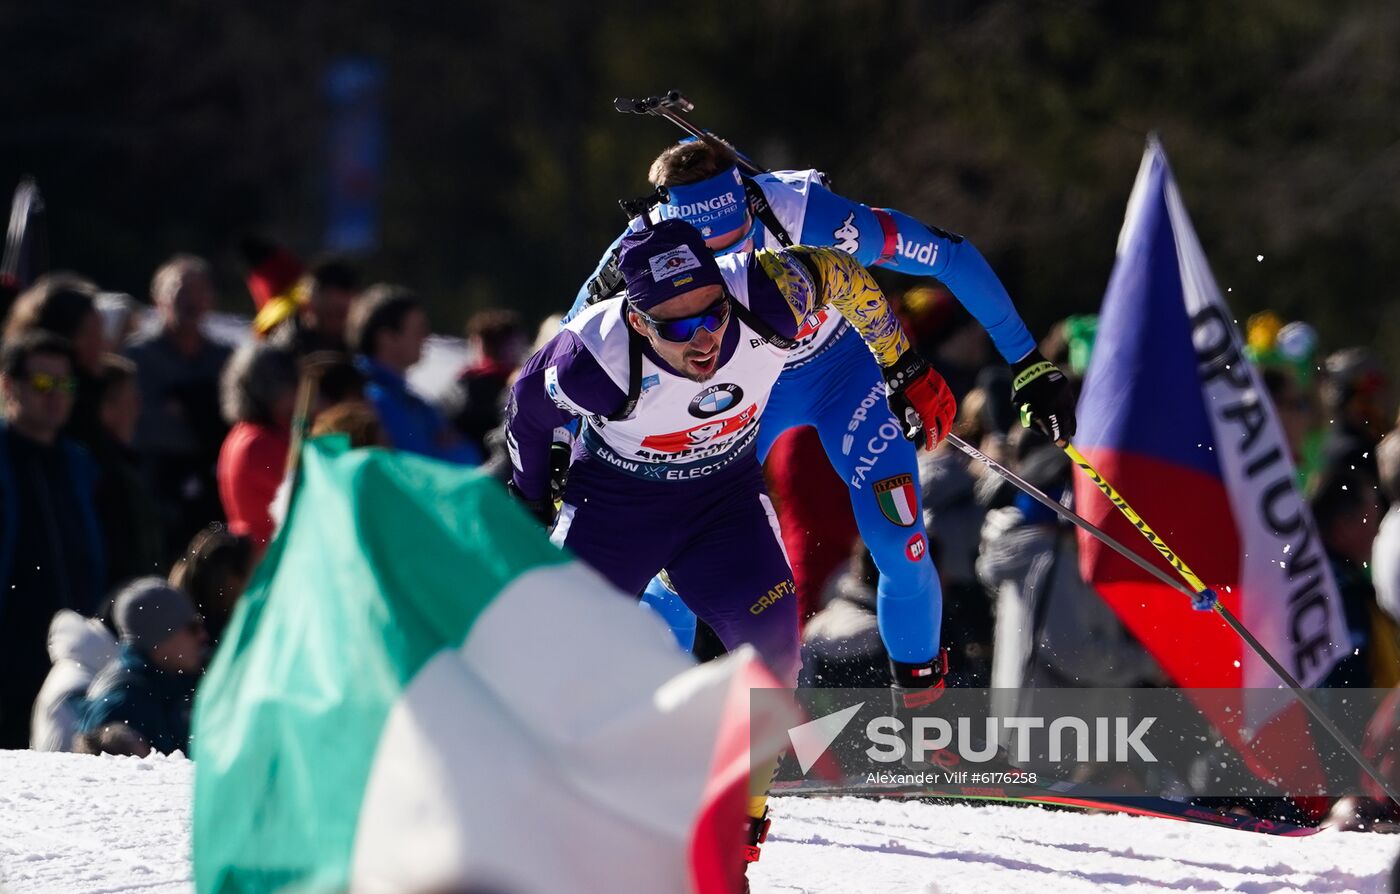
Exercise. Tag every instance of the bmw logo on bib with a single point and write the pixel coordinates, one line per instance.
(715, 400)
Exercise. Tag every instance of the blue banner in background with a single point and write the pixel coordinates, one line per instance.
(354, 88)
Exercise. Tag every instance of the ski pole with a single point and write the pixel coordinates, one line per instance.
(1206, 598)
(1203, 597)
(1070, 516)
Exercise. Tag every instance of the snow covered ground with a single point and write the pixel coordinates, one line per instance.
(81, 825)
(891, 847)
(75, 823)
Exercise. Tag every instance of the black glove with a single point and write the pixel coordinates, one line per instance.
(559, 455)
(919, 399)
(1042, 395)
(542, 509)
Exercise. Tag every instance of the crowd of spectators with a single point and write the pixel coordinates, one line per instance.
(141, 456)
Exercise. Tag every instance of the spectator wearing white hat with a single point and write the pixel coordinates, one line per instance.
(79, 647)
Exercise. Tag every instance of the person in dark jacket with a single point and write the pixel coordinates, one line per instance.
(150, 685)
(179, 431)
(65, 305)
(1356, 396)
(134, 542)
(496, 338)
(50, 545)
(213, 571)
(325, 296)
(1347, 509)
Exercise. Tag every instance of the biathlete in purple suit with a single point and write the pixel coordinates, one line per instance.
(702, 184)
(670, 382)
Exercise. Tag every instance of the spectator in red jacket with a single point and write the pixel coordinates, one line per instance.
(257, 394)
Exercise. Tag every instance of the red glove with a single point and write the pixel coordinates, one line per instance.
(920, 399)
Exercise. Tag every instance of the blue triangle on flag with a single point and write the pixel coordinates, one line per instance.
(1142, 391)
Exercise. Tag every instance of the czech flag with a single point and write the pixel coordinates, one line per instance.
(1181, 424)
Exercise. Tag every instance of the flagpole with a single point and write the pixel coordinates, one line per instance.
(313, 367)
(1205, 597)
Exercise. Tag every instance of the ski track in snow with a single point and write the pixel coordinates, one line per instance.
(856, 845)
(107, 825)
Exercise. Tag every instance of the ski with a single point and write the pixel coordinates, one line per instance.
(1134, 805)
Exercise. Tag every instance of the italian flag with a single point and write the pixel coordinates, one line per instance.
(897, 502)
(419, 692)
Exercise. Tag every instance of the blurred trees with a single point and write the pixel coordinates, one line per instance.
(180, 126)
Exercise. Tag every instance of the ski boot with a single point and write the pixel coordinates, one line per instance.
(757, 834)
(915, 687)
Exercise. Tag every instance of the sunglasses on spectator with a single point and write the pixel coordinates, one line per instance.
(683, 329)
(46, 384)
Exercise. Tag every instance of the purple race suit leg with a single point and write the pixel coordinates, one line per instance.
(625, 528)
(732, 572)
(717, 537)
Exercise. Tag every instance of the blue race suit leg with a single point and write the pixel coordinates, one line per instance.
(673, 610)
(880, 467)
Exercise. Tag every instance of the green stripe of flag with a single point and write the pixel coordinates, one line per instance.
(289, 715)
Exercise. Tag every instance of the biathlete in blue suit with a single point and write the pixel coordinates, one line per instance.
(842, 396)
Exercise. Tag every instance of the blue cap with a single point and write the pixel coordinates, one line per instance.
(715, 206)
(665, 260)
